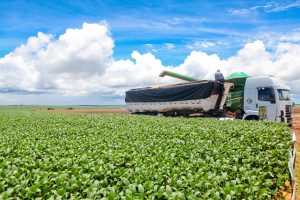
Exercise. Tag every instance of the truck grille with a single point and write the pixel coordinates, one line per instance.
(288, 113)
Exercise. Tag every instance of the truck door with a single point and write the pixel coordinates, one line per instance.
(266, 103)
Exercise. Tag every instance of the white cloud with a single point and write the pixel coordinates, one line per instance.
(267, 7)
(169, 46)
(143, 71)
(199, 64)
(80, 62)
(256, 60)
(181, 20)
(159, 47)
(200, 45)
(252, 58)
(18, 68)
(150, 47)
(71, 63)
(284, 6)
(293, 37)
(86, 51)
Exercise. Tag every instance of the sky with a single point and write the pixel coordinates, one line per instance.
(91, 51)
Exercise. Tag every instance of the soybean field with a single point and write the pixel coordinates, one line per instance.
(111, 156)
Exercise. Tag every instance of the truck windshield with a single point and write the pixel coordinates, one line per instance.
(284, 95)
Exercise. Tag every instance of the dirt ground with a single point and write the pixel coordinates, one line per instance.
(296, 123)
(296, 129)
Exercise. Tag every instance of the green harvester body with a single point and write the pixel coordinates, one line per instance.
(235, 99)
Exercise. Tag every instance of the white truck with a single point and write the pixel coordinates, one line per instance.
(243, 97)
(267, 97)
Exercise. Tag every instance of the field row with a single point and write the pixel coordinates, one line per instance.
(139, 157)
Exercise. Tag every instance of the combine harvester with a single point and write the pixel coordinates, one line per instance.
(243, 97)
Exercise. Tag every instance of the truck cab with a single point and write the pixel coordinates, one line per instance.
(267, 98)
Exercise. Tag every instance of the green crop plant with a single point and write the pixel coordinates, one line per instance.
(110, 156)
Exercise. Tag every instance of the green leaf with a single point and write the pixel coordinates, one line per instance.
(141, 188)
(168, 189)
(228, 197)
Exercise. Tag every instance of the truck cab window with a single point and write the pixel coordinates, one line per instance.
(265, 94)
(284, 95)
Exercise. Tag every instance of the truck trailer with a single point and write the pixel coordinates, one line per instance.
(243, 97)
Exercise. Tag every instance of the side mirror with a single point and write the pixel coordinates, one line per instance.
(273, 100)
(272, 96)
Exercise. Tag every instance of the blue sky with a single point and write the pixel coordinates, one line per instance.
(168, 30)
(150, 25)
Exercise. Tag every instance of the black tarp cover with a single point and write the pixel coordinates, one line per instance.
(179, 92)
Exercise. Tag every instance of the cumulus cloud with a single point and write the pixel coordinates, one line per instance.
(72, 63)
(199, 64)
(84, 52)
(254, 59)
(18, 68)
(80, 62)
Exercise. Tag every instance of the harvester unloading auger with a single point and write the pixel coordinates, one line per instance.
(176, 75)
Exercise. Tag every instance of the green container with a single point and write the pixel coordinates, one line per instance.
(237, 94)
(236, 98)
